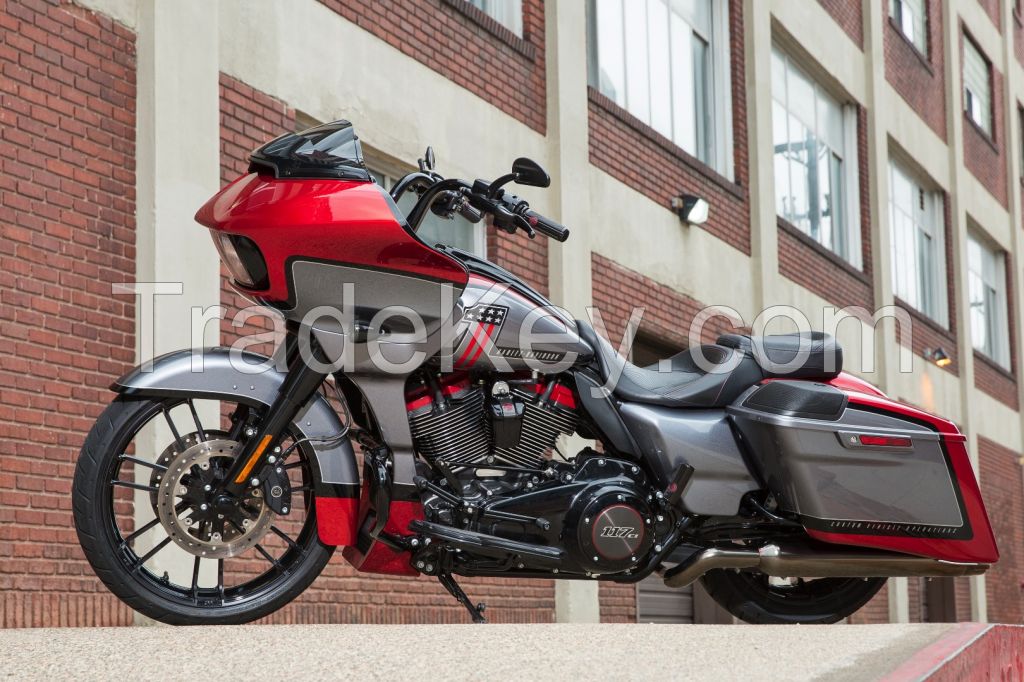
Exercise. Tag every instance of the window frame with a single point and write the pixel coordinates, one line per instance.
(969, 96)
(496, 9)
(997, 327)
(897, 8)
(719, 81)
(929, 203)
(850, 232)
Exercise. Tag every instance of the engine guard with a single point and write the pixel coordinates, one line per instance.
(232, 375)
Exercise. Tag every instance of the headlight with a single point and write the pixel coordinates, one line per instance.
(243, 260)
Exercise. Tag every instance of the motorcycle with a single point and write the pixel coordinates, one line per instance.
(789, 488)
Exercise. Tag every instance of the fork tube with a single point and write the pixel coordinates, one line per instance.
(299, 384)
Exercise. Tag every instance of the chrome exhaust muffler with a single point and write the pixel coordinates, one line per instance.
(801, 562)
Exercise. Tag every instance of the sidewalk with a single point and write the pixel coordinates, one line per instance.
(567, 653)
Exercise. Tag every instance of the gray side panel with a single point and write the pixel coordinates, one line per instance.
(815, 472)
(704, 440)
(224, 376)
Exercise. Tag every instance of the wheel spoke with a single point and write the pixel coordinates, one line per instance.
(284, 536)
(220, 579)
(195, 418)
(293, 465)
(195, 579)
(136, 486)
(266, 555)
(174, 430)
(136, 460)
(126, 541)
(149, 555)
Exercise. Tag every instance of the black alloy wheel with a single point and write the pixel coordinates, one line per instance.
(158, 536)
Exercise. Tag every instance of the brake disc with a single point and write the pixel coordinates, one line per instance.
(199, 521)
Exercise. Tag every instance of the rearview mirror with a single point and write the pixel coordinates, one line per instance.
(528, 172)
(427, 162)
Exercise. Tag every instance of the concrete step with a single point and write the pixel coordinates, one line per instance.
(518, 652)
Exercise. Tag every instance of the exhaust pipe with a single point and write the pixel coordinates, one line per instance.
(801, 562)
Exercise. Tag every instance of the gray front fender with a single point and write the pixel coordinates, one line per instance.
(224, 377)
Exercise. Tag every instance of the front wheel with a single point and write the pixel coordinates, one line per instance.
(757, 598)
(162, 542)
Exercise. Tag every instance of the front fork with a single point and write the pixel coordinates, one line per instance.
(261, 442)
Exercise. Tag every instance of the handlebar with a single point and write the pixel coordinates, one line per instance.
(508, 212)
(546, 226)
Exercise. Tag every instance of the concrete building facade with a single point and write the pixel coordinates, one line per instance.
(854, 153)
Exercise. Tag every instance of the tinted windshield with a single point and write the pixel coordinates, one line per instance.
(330, 150)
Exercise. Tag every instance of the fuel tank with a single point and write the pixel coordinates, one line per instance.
(511, 328)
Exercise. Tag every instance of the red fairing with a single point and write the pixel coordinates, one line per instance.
(846, 382)
(336, 520)
(379, 558)
(981, 548)
(330, 220)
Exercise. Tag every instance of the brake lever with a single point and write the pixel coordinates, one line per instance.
(524, 225)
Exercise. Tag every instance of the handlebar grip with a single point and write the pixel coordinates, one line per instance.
(548, 227)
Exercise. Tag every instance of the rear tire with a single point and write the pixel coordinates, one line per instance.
(111, 558)
(753, 599)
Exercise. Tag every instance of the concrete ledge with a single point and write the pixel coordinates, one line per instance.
(511, 652)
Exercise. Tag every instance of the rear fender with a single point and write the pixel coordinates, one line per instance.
(224, 376)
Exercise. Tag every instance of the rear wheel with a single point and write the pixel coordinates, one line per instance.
(757, 598)
(158, 538)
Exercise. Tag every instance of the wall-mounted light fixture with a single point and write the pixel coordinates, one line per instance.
(939, 356)
(691, 209)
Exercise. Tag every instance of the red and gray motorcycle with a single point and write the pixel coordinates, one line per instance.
(791, 489)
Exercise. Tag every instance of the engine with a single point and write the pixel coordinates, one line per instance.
(597, 513)
(512, 423)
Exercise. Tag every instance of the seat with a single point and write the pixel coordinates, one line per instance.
(712, 375)
(806, 355)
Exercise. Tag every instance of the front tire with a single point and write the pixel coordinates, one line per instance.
(113, 556)
(753, 598)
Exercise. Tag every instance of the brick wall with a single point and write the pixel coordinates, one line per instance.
(919, 78)
(875, 611)
(848, 14)
(1018, 36)
(67, 207)
(984, 154)
(667, 312)
(455, 39)
(1001, 486)
(633, 153)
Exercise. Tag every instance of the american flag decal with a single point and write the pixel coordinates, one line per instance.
(484, 322)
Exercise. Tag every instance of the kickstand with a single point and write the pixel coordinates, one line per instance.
(476, 612)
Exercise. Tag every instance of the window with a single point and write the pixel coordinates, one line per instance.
(986, 272)
(1020, 141)
(508, 13)
(815, 144)
(434, 229)
(918, 245)
(910, 16)
(977, 87)
(667, 63)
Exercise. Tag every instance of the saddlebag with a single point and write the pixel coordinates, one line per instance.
(847, 467)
